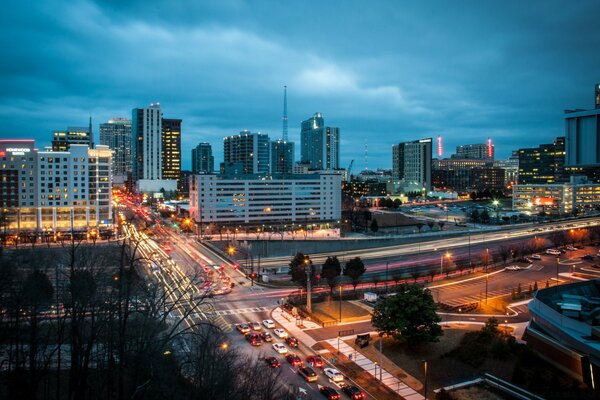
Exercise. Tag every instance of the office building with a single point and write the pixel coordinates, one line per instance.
(203, 161)
(282, 157)
(291, 199)
(563, 328)
(511, 169)
(543, 164)
(171, 150)
(62, 140)
(582, 132)
(147, 154)
(411, 165)
(483, 151)
(46, 191)
(320, 144)
(578, 195)
(116, 134)
(146, 133)
(250, 150)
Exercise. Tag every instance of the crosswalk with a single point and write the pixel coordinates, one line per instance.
(241, 311)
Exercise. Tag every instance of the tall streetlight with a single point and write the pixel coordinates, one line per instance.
(308, 285)
(496, 203)
(487, 260)
(425, 385)
(340, 302)
(448, 256)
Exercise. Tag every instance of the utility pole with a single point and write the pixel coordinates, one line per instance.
(308, 285)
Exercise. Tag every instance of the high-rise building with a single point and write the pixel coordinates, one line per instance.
(116, 134)
(582, 135)
(320, 144)
(47, 191)
(146, 133)
(171, 150)
(203, 161)
(543, 164)
(62, 140)
(484, 151)
(250, 150)
(511, 169)
(411, 165)
(282, 157)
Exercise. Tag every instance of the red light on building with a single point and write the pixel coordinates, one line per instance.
(543, 201)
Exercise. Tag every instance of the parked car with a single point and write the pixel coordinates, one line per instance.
(535, 257)
(512, 268)
(553, 252)
(588, 257)
(570, 248)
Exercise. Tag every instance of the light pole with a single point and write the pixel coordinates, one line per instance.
(447, 255)
(487, 258)
(387, 264)
(308, 285)
(380, 355)
(425, 385)
(340, 303)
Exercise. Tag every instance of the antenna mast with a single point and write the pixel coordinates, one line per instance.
(285, 116)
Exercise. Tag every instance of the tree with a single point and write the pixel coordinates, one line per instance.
(475, 216)
(420, 225)
(331, 270)
(430, 224)
(355, 269)
(409, 315)
(441, 225)
(485, 216)
(298, 269)
(374, 226)
(504, 252)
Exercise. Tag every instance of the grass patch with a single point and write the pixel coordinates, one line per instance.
(330, 310)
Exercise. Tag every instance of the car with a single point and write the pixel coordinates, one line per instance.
(294, 359)
(291, 341)
(513, 268)
(353, 392)
(268, 323)
(273, 362)
(553, 252)
(266, 336)
(535, 257)
(595, 265)
(570, 248)
(242, 328)
(315, 361)
(280, 333)
(308, 374)
(588, 257)
(254, 339)
(255, 326)
(279, 348)
(333, 374)
(329, 392)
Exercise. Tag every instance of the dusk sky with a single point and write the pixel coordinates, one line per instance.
(382, 71)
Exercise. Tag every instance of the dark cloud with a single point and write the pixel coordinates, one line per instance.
(384, 71)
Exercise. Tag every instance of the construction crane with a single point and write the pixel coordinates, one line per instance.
(349, 169)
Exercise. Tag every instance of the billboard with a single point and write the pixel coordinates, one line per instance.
(543, 201)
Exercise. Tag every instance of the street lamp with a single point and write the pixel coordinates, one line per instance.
(425, 385)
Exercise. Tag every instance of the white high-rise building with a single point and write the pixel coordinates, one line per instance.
(146, 130)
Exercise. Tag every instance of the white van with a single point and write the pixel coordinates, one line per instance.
(553, 252)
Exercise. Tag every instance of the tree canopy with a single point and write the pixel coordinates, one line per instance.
(409, 315)
(355, 269)
(331, 270)
(297, 269)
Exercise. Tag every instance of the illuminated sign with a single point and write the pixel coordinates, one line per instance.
(18, 151)
(543, 201)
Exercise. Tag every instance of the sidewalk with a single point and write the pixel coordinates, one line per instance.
(393, 383)
(289, 324)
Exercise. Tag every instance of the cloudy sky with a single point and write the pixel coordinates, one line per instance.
(382, 71)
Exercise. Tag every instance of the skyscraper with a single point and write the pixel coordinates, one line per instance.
(320, 144)
(282, 157)
(411, 165)
(146, 133)
(203, 161)
(250, 150)
(116, 134)
(171, 150)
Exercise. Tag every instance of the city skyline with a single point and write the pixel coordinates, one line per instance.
(502, 71)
